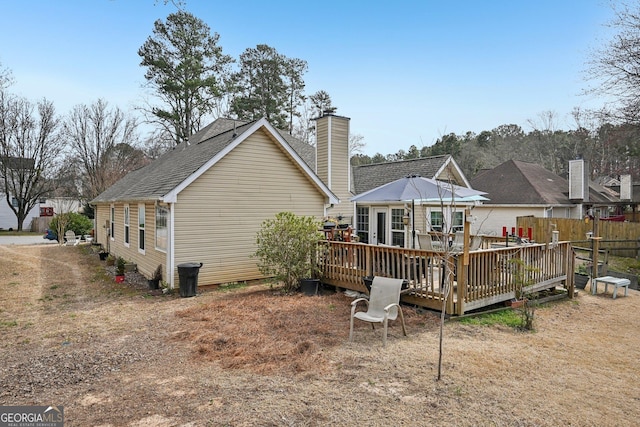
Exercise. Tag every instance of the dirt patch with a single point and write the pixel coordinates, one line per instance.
(116, 355)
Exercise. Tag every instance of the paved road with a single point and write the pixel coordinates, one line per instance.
(25, 240)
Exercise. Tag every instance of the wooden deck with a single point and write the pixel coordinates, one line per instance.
(478, 278)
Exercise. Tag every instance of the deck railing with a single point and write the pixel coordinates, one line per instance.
(483, 278)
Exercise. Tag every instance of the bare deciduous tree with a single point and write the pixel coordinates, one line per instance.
(103, 141)
(615, 67)
(29, 149)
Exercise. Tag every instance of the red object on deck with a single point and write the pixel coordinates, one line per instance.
(530, 233)
(504, 231)
(520, 232)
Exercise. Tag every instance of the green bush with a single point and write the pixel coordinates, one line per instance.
(288, 247)
(79, 223)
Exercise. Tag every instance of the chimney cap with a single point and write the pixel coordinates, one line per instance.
(329, 111)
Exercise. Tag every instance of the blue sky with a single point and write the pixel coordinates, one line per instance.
(405, 72)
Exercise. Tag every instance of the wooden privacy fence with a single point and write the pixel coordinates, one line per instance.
(491, 276)
(620, 238)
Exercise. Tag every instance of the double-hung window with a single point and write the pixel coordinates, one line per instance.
(162, 214)
(436, 221)
(112, 223)
(397, 227)
(141, 218)
(126, 225)
(457, 221)
(362, 223)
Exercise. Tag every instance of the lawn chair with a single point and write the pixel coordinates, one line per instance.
(476, 242)
(71, 238)
(383, 305)
(427, 243)
(458, 242)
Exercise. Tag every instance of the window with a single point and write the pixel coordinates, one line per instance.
(141, 213)
(457, 221)
(436, 221)
(362, 223)
(112, 221)
(162, 213)
(14, 202)
(126, 225)
(397, 227)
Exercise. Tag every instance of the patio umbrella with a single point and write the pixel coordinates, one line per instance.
(416, 187)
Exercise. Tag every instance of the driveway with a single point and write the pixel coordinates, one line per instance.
(26, 240)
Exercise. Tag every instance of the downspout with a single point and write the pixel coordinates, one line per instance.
(170, 244)
(329, 143)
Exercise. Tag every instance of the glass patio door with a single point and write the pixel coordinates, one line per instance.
(379, 226)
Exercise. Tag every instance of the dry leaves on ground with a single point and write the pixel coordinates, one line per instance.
(118, 355)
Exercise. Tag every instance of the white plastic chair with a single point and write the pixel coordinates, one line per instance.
(458, 242)
(427, 243)
(71, 238)
(383, 305)
(476, 242)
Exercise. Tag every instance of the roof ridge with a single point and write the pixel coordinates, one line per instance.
(395, 162)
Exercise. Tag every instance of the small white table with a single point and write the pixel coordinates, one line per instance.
(617, 282)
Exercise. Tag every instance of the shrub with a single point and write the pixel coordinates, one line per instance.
(120, 263)
(79, 223)
(288, 247)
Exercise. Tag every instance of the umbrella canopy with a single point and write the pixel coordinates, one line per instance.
(416, 187)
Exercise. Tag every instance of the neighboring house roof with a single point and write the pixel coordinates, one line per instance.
(164, 178)
(522, 183)
(367, 177)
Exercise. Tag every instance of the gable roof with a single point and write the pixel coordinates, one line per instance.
(164, 178)
(367, 177)
(522, 183)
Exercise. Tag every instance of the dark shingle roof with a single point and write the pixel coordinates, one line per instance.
(521, 183)
(367, 177)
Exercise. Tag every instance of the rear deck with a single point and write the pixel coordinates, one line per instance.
(478, 278)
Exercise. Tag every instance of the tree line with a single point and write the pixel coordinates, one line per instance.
(610, 149)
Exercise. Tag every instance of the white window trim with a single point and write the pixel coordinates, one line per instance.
(126, 212)
(166, 208)
(112, 221)
(144, 227)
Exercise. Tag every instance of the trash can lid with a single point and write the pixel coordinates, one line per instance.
(190, 265)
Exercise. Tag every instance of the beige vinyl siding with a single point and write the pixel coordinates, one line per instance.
(101, 219)
(340, 166)
(322, 151)
(147, 262)
(218, 215)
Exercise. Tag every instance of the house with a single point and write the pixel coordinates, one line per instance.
(518, 188)
(390, 222)
(205, 200)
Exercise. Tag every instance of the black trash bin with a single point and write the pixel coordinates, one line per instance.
(188, 273)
